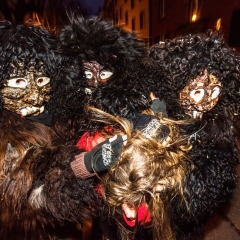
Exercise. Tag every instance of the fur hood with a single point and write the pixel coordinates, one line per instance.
(85, 40)
(180, 60)
(15, 49)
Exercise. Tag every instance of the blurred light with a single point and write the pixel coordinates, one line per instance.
(218, 25)
(194, 17)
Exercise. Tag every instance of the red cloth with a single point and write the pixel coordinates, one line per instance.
(99, 190)
(143, 215)
(88, 141)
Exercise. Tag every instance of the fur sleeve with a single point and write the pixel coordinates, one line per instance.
(58, 192)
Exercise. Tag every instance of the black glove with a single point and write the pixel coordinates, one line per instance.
(159, 106)
(150, 125)
(103, 156)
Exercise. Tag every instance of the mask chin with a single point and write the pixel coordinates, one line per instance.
(32, 111)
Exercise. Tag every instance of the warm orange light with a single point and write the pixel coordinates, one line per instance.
(194, 17)
(218, 25)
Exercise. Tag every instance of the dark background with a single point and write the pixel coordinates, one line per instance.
(50, 13)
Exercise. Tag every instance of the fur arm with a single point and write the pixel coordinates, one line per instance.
(212, 179)
(58, 192)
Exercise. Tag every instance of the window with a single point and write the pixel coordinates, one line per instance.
(161, 9)
(132, 4)
(142, 19)
(120, 13)
(194, 10)
(133, 24)
(126, 18)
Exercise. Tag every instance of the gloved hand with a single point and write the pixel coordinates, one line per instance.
(104, 155)
(157, 105)
(149, 125)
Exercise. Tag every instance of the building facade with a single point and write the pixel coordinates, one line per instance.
(156, 20)
(132, 15)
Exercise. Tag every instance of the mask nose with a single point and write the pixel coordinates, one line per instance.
(34, 98)
(93, 82)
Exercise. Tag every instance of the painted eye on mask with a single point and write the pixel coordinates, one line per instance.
(42, 81)
(105, 74)
(88, 74)
(17, 83)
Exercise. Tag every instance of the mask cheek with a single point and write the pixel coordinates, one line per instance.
(25, 102)
(36, 97)
(212, 100)
(13, 105)
(45, 92)
(12, 99)
(12, 93)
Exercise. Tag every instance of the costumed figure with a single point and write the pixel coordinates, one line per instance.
(198, 77)
(150, 172)
(41, 197)
(102, 67)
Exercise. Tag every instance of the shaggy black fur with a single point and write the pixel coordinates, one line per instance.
(40, 196)
(215, 152)
(124, 94)
(17, 44)
(121, 51)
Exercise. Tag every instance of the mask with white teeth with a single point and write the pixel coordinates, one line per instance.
(27, 90)
(200, 95)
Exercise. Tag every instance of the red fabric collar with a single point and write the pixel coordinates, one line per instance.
(143, 216)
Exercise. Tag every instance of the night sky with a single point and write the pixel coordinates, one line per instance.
(89, 7)
(48, 12)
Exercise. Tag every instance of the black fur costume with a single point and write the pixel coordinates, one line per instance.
(124, 94)
(114, 48)
(40, 196)
(215, 152)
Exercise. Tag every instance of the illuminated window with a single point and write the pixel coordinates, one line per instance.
(142, 19)
(194, 10)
